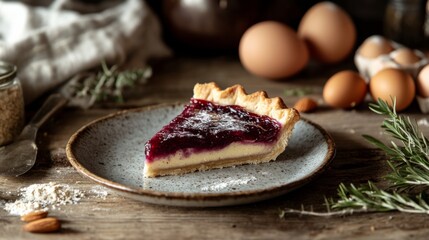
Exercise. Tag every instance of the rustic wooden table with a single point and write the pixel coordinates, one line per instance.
(116, 217)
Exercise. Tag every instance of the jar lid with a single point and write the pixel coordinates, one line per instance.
(7, 72)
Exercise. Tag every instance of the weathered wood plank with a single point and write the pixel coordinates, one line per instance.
(116, 217)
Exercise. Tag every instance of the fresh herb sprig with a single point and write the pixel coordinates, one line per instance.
(298, 92)
(409, 163)
(109, 83)
(370, 198)
(409, 169)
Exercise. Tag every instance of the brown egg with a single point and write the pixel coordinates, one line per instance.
(328, 31)
(345, 89)
(272, 50)
(395, 83)
(405, 56)
(423, 82)
(375, 46)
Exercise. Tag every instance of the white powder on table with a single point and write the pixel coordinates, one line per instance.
(423, 122)
(99, 192)
(43, 197)
(228, 183)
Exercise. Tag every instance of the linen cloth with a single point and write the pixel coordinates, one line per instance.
(50, 44)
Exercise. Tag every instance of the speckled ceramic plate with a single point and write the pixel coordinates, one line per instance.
(110, 151)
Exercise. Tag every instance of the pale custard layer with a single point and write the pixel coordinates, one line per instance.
(234, 150)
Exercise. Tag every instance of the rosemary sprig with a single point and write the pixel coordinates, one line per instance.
(410, 161)
(409, 164)
(370, 198)
(298, 92)
(109, 83)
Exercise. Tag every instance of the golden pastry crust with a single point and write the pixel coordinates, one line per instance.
(257, 102)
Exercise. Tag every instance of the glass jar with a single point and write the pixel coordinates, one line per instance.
(11, 104)
(404, 20)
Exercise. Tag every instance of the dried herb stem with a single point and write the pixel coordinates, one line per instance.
(409, 176)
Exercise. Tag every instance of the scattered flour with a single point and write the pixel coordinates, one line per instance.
(43, 196)
(99, 192)
(228, 182)
(423, 122)
(352, 131)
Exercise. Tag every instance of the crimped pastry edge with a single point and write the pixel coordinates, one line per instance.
(257, 102)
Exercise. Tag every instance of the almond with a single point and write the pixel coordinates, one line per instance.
(34, 215)
(305, 105)
(44, 225)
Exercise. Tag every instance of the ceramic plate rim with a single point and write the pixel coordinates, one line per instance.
(193, 196)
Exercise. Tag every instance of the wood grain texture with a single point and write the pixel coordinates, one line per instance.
(116, 217)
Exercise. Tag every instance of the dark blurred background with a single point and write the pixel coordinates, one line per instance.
(215, 26)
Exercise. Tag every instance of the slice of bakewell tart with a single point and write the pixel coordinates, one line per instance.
(220, 128)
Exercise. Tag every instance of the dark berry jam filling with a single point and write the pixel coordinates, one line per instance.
(204, 126)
